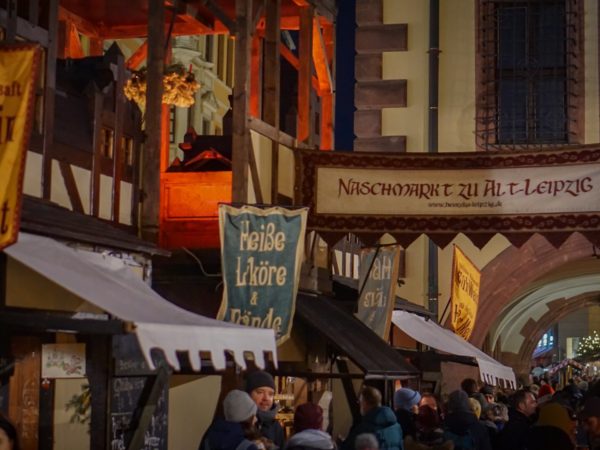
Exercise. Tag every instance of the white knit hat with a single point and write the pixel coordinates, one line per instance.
(238, 406)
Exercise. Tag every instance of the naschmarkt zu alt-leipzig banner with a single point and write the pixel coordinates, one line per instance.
(18, 75)
(377, 288)
(551, 192)
(464, 295)
(261, 257)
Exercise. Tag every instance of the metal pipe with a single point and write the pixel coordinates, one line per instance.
(432, 128)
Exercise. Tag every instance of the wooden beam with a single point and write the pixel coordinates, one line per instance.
(69, 44)
(42, 320)
(326, 121)
(256, 76)
(321, 61)
(34, 12)
(96, 47)
(258, 194)
(272, 85)
(96, 149)
(190, 14)
(152, 148)
(303, 130)
(26, 30)
(141, 31)
(138, 56)
(11, 25)
(258, 14)
(295, 62)
(83, 26)
(117, 141)
(71, 186)
(49, 93)
(241, 141)
(272, 133)
(214, 8)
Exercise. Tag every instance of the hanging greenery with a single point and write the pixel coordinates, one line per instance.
(179, 86)
(81, 406)
(589, 345)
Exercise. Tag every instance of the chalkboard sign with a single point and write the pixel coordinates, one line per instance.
(129, 359)
(126, 392)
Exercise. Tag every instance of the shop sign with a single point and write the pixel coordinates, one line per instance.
(479, 194)
(18, 75)
(261, 257)
(464, 296)
(377, 286)
(63, 360)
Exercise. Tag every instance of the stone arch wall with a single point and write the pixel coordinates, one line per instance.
(514, 268)
(533, 330)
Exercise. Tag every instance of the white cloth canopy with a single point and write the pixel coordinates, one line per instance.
(431, 334)
(112, 286)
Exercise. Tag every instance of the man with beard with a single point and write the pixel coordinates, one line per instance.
(261, 387)
(520, 420)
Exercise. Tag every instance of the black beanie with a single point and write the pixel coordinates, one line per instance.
(257, 379)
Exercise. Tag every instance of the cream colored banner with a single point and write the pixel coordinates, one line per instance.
(18, 74)
(529, 190)
(465, 294)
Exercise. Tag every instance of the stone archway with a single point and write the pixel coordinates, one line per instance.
(533, 330)
(514, 268)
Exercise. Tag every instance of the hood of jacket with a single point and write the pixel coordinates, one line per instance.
(380, 417)
(224, 435)
(459, 422)
(311, 438)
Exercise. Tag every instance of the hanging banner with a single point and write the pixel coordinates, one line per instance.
(18, 75)
(464, 295)
(261, 257)
(377, 283)
(517, 194)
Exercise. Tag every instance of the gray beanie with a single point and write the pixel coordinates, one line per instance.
(238, 406)
(257, 379)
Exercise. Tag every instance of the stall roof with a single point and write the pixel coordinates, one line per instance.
(430, 333)
(112, 286)
(353, 338)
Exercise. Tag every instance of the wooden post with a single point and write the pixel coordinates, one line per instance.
(49, 92)
(96, 149)
(256, 76)
(272, 85)
(305, 74)
(152, 154)
(118, 149)
(241, 133)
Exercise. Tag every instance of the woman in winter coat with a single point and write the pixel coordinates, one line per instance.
(308, 421)
(236, 431)
(462, 426)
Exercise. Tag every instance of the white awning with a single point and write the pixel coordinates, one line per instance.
(431, 334)
(112, 286)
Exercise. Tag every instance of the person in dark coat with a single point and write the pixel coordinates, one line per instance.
(462, 427)
(590, 416)
(261, 387)
(520, 418)
(231, 432)
(554, 429)
(308, 433)
(376, 419)
(406, 405)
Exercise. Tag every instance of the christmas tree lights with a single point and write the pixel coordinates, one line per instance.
(589, 345)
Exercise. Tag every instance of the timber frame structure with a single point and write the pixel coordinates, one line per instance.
(116, 145)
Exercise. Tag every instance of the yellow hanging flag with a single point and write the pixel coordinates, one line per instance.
(465, 294)
(19, 65)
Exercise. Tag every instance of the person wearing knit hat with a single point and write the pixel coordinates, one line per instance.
(234, 431)
(554, 430)
(406, 404)
(261, 388)
(461, 426)
(308, 421)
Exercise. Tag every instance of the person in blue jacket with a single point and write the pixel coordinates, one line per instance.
(235, 430)
(376, 419)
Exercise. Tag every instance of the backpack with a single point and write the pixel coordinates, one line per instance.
(461, 441)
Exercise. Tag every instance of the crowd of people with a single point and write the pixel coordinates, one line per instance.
(539, 416)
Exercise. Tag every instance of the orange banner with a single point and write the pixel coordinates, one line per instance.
(18, 75)
(465, 294)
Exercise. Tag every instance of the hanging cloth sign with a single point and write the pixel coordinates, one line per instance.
(18, 76)
(464, 294)
(377, 282)
(261, 257)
